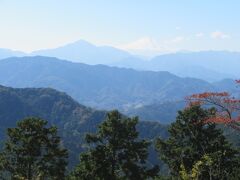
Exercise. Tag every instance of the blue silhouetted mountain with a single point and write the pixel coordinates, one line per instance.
(207, 65)
(99, 86)
(85, 52)
(6, 53)
(164, 112)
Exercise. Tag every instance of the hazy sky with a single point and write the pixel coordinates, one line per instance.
(151, 25)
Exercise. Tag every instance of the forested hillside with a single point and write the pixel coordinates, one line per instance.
(72, 119)
(164, 112)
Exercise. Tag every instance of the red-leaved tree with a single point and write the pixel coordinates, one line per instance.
(227, 107)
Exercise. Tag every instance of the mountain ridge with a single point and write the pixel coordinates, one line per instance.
(59, 109)
(207, 65)
(85, 52)
(98, 86)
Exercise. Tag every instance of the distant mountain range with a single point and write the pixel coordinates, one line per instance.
(6, 53)
(99, 86)
(72, 119)
(164, 112)
(207, 65)
(79, 51)
(85, 52)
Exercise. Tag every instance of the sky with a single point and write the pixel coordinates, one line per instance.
(139, 26)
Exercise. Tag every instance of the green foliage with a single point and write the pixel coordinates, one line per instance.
(193, 144)
(115, 152)
(72, 119)
(33, 151)
(204, 162)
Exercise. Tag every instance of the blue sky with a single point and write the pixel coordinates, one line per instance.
(135, 25)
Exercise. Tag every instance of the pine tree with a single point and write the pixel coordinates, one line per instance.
(116, 152)
(191, 139)
(33, 151)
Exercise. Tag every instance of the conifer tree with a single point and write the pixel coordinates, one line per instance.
(116, 152)
(191, 139)
(33, 151)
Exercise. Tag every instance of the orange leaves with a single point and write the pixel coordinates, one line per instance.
(238, 119)
(221, 99)
(209, 94)
(227, 107)
(231, 122)
(231, 101)
(219, 120)
(195, 103)
(203, 98)
(237, 81)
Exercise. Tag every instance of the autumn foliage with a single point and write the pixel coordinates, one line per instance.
(227, 107)
(238, 81)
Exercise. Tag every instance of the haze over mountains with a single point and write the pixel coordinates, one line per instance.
(149, 87)
(98, 85)
(79, 51)
(101, 86)
(5, 53)
(207, 65)
(85, 52)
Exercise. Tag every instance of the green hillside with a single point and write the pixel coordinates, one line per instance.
(72, 119)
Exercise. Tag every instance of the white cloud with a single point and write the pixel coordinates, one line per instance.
(177, 39)
(144, 43)
(178, 28)
(147, 43)
(219, 35)
(148, 47)
(199, 35)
